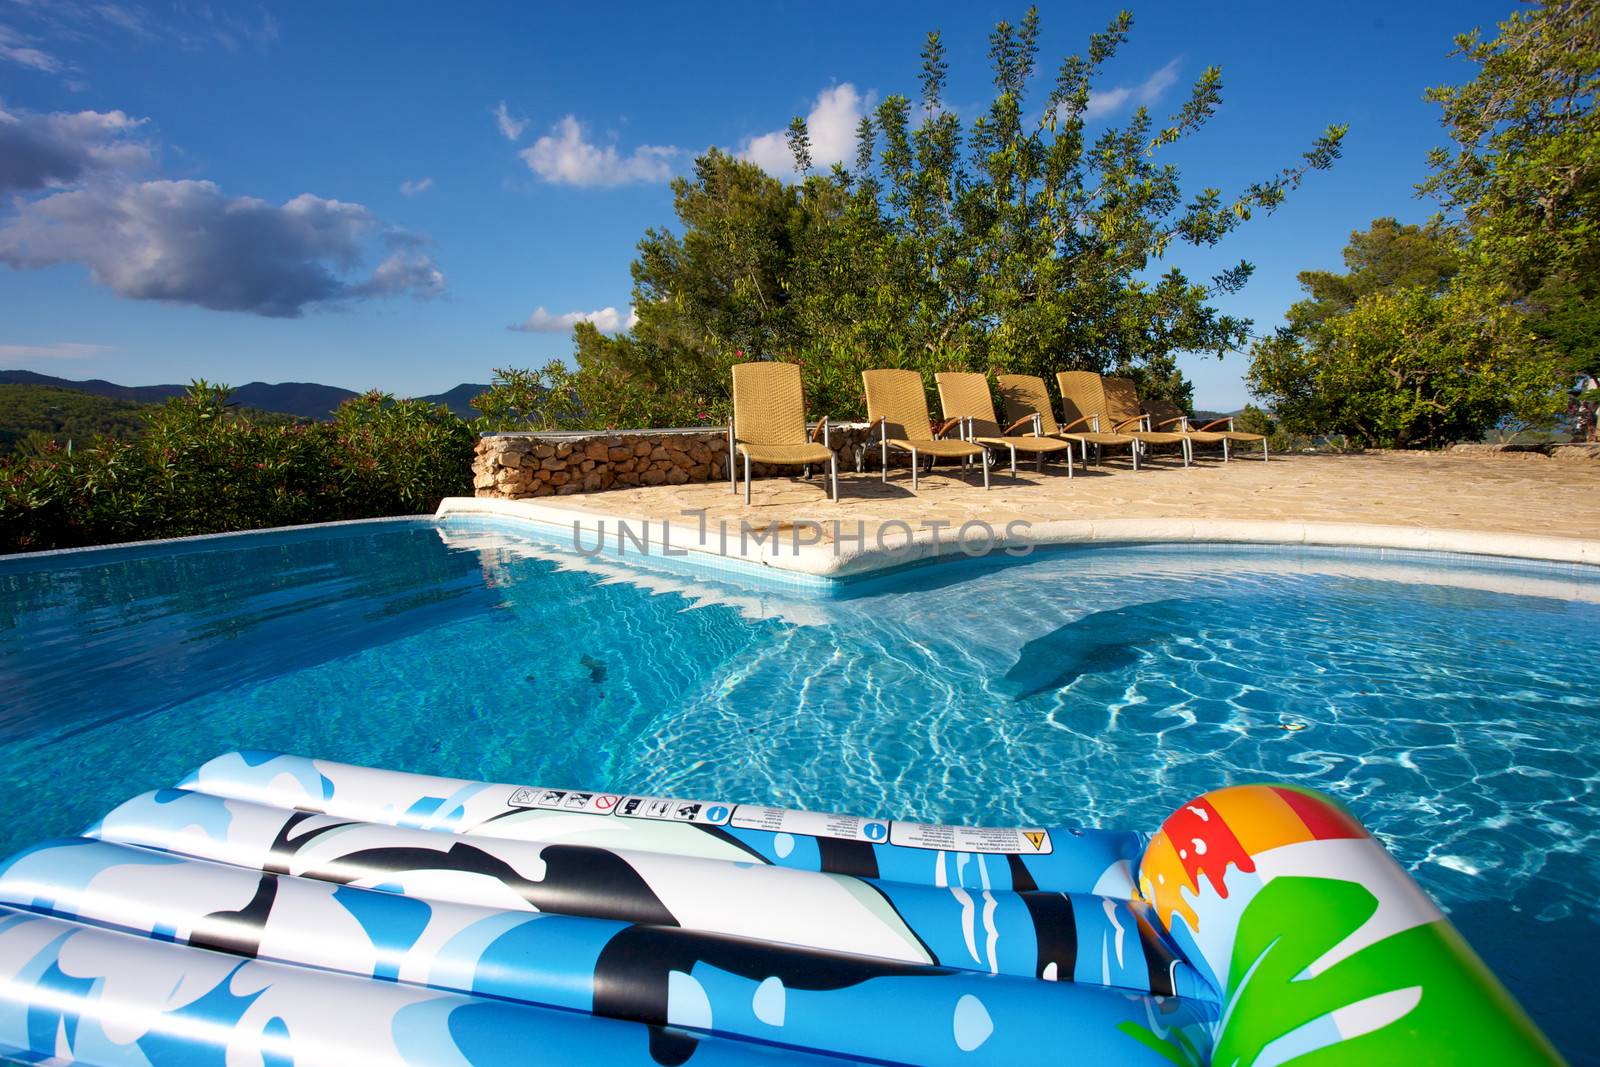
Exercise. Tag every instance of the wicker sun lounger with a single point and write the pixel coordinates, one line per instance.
(1164, 413)
(1026, 394)
(897, 408)
(965, 395)
(1116, 402)
(769, 423)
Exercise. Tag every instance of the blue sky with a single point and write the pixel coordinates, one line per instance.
(335, 193)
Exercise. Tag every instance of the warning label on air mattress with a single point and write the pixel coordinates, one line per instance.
(1026, 841)
(704, 812)
(564, 800)
(810, 823)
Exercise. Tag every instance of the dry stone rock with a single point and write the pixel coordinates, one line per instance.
(525, 465)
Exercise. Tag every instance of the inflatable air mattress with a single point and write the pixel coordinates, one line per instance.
(280, 909)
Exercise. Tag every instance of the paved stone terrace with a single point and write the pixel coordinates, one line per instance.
(1509, 493)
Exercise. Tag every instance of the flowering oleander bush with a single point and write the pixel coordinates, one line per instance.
(199, 466)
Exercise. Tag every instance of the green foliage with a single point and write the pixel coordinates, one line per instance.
(531, 400)
(1474, 321)
(200, 466)
(1388, 255)
(1522, 177)
(1409, 369)
(1010, 243)
(33, 415)
(1254, 420)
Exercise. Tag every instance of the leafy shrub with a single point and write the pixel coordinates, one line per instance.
(1409, 369)
(200, 466)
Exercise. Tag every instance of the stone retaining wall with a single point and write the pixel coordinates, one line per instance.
(1553, 449)
(513, 465)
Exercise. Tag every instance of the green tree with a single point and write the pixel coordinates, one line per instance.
(719, 288)
(1522, 177)
(1015, 242)
(1409, 368)
(1386, 256)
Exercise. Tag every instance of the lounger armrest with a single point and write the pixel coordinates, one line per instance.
(821, 431)
(1182, 422)
(1218, 422)
(1031, 421)
(879, 425)
(1087, 420)
(945, 426)
(1136, 423)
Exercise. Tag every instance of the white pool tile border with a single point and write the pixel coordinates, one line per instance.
(811, 565)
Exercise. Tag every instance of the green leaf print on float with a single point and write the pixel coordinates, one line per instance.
(1417, 996)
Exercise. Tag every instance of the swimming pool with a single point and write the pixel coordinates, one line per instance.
(1451, 707)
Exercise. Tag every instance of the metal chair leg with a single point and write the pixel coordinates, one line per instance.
(747, 477)
(914, 465)
(833, 473)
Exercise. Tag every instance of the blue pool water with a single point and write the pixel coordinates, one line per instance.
(1452, 708)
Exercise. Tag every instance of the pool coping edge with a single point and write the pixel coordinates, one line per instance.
(823, 561)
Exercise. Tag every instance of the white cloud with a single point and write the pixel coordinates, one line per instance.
(59, 350)
(417, 187)
(38, 151)
(510, 126)
(565, 157)
(193, 27)
(606, 320)
(185, 242)
(406, 270)
(1104, 102)
(18, 49)
(832, 125)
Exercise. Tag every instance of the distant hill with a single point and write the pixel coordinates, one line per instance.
(306, 400)
(61, 415)
(459, 399)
